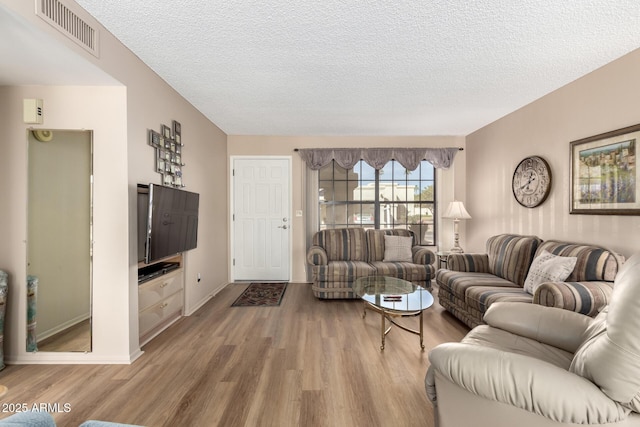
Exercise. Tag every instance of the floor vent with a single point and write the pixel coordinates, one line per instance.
(69, 23)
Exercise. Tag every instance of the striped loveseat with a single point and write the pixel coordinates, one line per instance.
(472, 282)
(338, 257)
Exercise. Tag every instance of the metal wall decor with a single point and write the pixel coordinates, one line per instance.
(168, 145)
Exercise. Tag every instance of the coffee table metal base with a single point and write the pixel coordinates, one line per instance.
(389, 315)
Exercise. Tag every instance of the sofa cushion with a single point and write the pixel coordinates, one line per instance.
(481, 297)
(593, 262)
(398, 249)
(375, 241)
(342, 271)
(459, 282)
(480, 290)
(547, 267)
(510, 256)
(343, 244)
(404, 270)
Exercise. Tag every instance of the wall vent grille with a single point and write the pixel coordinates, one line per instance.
(59, 16)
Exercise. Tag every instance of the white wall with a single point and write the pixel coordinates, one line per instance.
(602, 101)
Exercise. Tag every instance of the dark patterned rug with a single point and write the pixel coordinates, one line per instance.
(261, 295)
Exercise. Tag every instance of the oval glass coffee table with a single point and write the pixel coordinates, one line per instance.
(392, 298)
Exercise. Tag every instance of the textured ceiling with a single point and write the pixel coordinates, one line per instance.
(374, 67)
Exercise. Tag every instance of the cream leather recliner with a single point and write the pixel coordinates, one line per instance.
(542, 366)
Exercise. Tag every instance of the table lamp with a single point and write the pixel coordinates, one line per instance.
(456, 211)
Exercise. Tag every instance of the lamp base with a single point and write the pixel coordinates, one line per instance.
(456, 249)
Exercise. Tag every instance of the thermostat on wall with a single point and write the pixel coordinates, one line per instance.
(33, 111)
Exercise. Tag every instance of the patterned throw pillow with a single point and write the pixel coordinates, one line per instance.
(547, 267)
(397, 249)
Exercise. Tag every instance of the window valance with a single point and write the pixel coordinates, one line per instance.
(410, 158)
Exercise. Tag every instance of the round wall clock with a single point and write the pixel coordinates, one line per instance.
(531, 181)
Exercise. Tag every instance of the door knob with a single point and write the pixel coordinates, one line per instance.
(284, 227)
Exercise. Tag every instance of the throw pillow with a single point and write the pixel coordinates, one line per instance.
(547, 267)
(397, 248)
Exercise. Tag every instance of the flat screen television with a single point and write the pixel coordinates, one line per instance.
(167, 222)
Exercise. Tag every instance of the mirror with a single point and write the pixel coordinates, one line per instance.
(59, 236)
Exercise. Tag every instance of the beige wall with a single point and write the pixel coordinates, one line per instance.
(449, 181)
(602, 101)
(120, 117)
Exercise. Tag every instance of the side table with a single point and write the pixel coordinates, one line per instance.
(443, 258)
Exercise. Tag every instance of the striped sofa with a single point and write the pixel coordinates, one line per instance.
(338, 257)
(472, 282)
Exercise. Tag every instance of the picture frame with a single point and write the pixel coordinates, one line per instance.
(604, 174)
(166, 131)
(154, 138)
(177, 129)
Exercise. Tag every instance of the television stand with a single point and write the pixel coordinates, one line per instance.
(160, 296)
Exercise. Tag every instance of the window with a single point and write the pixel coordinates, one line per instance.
(389, 198)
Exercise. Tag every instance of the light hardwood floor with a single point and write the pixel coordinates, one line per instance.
(305, 363)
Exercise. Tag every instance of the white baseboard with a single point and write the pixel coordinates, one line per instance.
(205, 300)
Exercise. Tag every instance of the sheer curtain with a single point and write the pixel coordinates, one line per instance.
(311, 190)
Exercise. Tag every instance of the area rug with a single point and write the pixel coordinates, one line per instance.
(261, 295)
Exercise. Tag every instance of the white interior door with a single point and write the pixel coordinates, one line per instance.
(261, 218)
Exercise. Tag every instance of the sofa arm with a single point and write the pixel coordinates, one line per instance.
(586, 298)
(422, 255)
(524, 382)
(476, 263)
(316, 255)
(29, 418)
(558, 328)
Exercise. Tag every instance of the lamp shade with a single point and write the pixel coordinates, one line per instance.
(456, 210)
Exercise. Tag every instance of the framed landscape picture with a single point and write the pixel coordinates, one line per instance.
(604, 174)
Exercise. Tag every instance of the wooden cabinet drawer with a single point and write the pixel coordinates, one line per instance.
(159, 312)
(156, 290)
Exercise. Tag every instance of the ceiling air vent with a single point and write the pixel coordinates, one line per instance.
(69, 23)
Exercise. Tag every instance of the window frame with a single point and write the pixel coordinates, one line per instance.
(349, 208)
